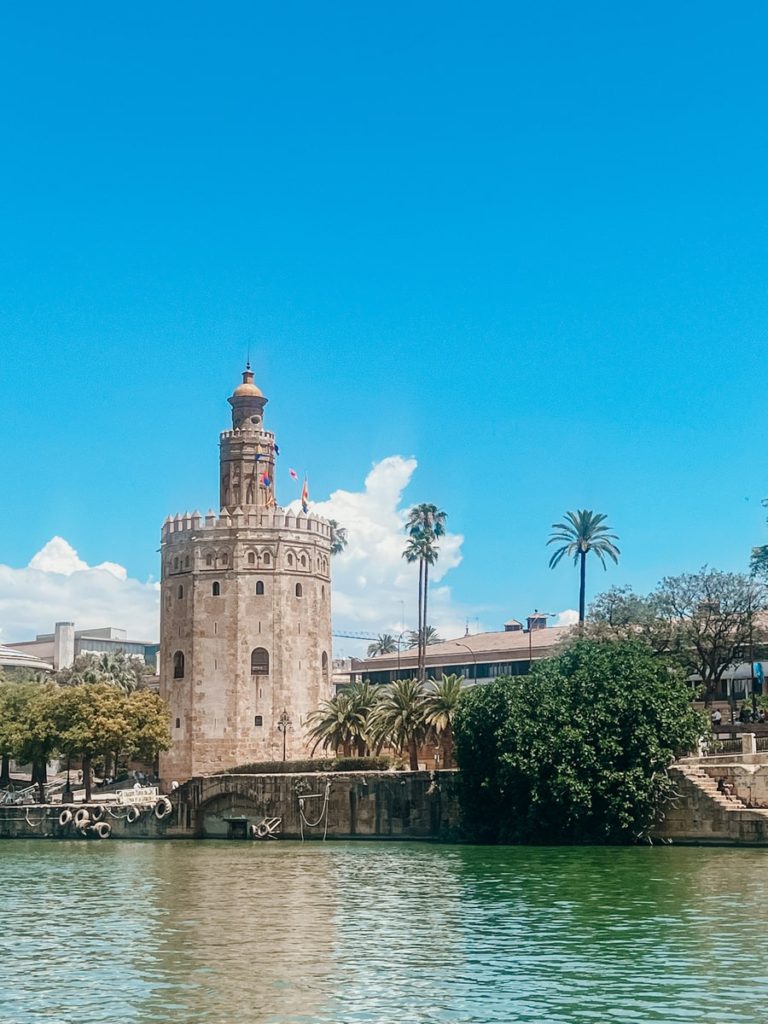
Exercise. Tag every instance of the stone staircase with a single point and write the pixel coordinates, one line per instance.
(702, 814)
(704, 781)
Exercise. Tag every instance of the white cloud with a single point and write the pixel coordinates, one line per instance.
(569, 617)
(58, 585)
(374, 588)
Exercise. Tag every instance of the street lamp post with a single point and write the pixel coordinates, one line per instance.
(474, 657)
(284, 724)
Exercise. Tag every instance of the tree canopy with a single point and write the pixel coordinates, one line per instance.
(578, 750)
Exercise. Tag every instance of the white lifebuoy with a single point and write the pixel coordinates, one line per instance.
(98, 812)
(133, 814)
(82, 817)
(103, 829)
(163, 808)
(65, 817)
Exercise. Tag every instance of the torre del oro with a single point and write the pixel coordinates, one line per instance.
(245, 624)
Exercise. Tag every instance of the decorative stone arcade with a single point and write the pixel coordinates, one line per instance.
(246, 612)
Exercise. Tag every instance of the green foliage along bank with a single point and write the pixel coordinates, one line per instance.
(577, 751)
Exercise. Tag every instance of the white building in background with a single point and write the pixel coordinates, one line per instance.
(60, 648)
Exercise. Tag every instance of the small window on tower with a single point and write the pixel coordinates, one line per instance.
(258, 720)
(216, 589)
(299, 591)
(266, 558)
(178, 723)
(251, 558)
(209, 559)
(178, 665)
(176, 565)
(225, 559)
(181, 592)
(304, 561)
(289, 559)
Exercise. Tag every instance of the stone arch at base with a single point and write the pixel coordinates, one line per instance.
(214, 817)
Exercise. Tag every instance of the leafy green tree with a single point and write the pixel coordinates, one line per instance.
(399, 718)
(425, 525)
(337, 723)
(93, 721)
(338, 537)
(581, 532)
(147, 716)
(442, 700)
(712, 620)
(34, 731)
(384, 643)
(13, 698)
(578, 750)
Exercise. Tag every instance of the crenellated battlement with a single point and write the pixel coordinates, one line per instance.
(267, 519)
(265, 436)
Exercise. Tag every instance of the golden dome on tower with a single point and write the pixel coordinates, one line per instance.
(247, 389)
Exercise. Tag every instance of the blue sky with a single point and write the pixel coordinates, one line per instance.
(524, 244)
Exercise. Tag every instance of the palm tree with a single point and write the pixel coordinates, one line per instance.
(364, 698)
(442, 701)
(335, 724)
(581, 532)
(425, 524)
(399, 718)
(338, 537)
(430, 634)
(384, 643)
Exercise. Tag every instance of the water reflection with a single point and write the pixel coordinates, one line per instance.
(216, 933)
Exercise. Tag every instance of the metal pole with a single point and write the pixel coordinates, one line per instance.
(474, 659)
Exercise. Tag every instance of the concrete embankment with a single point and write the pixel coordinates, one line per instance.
(364, 805)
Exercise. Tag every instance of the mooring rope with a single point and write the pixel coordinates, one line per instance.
(303, 820)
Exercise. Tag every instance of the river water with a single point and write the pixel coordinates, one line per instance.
(341, 933)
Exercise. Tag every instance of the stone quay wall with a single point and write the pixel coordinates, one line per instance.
(360, 805)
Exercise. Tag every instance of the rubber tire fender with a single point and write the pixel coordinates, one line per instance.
(133, 814)
(103, 829)
(82, 817)
(98, 812)
(163, 808)
(65, 817)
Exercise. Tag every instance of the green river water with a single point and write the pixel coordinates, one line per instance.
(340, 933)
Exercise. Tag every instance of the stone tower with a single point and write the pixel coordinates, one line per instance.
(245, 622)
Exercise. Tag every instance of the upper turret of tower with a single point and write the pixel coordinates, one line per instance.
(247, 403)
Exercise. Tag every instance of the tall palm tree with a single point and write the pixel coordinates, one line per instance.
(581, 532)
(384, 643)
(441, 703)
(399, 718)
(336, 723)
(425, 523)
(338, 537)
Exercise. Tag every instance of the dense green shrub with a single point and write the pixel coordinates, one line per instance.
(578, 750)
(317, 764)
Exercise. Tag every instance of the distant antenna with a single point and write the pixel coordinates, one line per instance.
(248, 360)
(466, 629)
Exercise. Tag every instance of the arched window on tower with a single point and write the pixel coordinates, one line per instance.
(181, 592)
(266, 558)
(216, 589)
(324, 662)
(299, 591)
(289, 558)
(186, 562)
(176, 564)
(225, 559)
(259, 587)
(209, 559)
(303, 561)
(251, 558)
(178, 665)
(259, 662)
(322, 593)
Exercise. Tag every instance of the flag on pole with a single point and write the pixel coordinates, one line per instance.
(294, 474)
(277, 450)
(305, 497)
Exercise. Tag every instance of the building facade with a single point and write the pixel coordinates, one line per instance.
(479, 657)
(245, 623)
